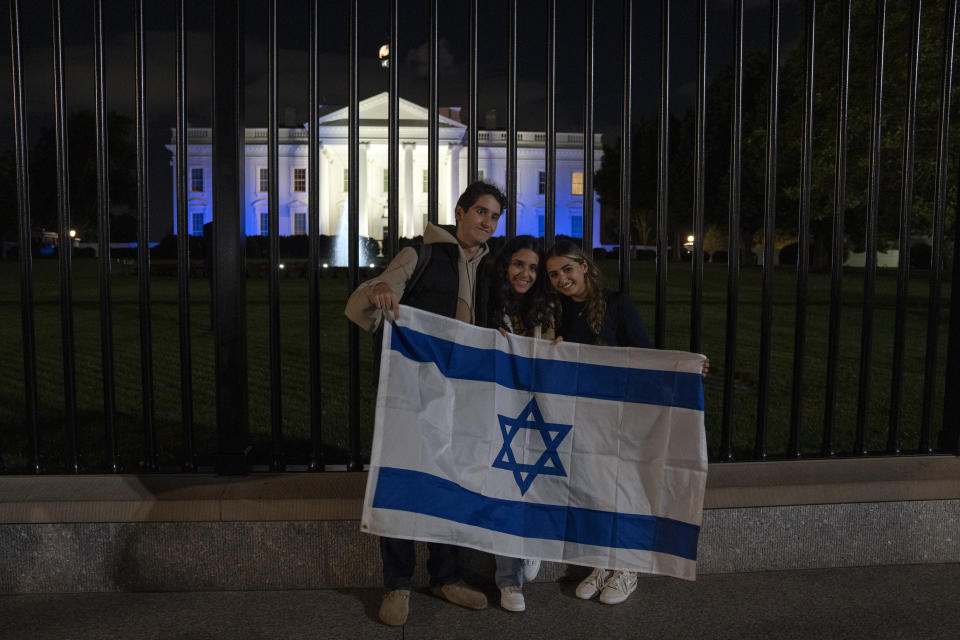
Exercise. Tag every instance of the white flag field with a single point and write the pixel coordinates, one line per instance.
(571, 453)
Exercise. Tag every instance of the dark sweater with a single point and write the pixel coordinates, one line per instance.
(622, 326)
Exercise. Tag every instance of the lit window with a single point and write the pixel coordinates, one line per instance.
(480, 175)
(299, 179)
(576, 184)
(197, 226)
(426, 181)
(576, 226)
(541, 225)
(264, 224)
(386, 180)
(346, 180)
(299, 224)
(541, 184)
(196, 179)
(264, 180)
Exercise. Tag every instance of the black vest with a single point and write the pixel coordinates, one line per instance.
(438, 287)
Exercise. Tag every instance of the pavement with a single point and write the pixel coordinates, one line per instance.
(906, 601)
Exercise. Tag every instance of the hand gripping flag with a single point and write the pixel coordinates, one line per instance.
(571, 453)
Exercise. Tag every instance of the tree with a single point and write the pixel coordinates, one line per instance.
(82, 162)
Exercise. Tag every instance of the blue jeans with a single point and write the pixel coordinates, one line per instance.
(509, 572)
(399, 560)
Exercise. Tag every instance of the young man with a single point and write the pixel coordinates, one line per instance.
(451, 284)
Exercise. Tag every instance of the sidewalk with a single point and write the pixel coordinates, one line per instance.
(910, 602)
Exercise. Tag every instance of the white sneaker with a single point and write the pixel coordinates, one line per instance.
(592, 584)
(618, 587)
(530, 570)
(511, 599)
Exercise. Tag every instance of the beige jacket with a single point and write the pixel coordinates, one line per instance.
(361, 311)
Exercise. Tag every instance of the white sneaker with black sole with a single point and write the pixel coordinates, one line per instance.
(590, 586)
(618, 587)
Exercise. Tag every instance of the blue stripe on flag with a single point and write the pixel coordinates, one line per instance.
(418, 492)
(560, 377)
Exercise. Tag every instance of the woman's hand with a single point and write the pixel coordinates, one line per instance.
(383, 298)
(557, 340)
(502, 331)
(706, 367)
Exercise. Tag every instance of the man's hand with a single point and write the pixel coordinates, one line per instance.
(706, 367)
(383, 297)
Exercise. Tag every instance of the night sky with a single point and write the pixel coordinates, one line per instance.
(412, 57)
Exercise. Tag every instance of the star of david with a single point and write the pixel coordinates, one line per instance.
(549, 463)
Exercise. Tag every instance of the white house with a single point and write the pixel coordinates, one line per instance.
(332, 132)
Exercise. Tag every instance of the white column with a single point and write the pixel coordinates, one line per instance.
(362, 189)
(323, 208)
(408, 214)
(454, 179)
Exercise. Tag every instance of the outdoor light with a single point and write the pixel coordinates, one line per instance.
(384, 55)
(371, 265)
(690, 239)
(281, 265)
(73, 233)
(325, 265)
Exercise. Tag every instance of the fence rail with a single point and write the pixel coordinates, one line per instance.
(229, 134)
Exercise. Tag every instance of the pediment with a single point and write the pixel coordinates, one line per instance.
(373, 113)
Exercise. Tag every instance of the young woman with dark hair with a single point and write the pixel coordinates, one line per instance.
(518, 305)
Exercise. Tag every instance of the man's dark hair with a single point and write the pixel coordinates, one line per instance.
(479, 189)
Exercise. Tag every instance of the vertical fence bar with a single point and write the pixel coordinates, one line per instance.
(313, 206)
(65, 246)
(273, 213)
(700, 144)
(803, 237)
(393, 141)
(870, 242)
(353, 233)
(626, 130)
(906, 224)
(950, 433)
(25, 250)
(769, 225)
(433, 128)
(550, 200)
(103, 245)
(663, 176)
(588, 144)
(473, 122)
(183, 247)
(143, 254)
(512, 120)
(229, 237)
(733, 238)
(839, 213)
(939, 212)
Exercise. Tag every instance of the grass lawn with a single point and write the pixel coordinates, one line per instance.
(294, 354)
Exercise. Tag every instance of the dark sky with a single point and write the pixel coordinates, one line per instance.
(374, 31)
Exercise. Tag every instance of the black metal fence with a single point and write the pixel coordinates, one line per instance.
(232, 452)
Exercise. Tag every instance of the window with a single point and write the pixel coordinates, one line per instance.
(264, 224)
(299, 179)
(426, 181)
(346, 180)
(541, 183)
(576, 226)
(196, 179)
(299, 224)
(541, 224)
(480, 175)
(196, 227)
(386, 180)
(264, 180)
(576, 183)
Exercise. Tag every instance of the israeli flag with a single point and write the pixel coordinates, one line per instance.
(571, 453)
